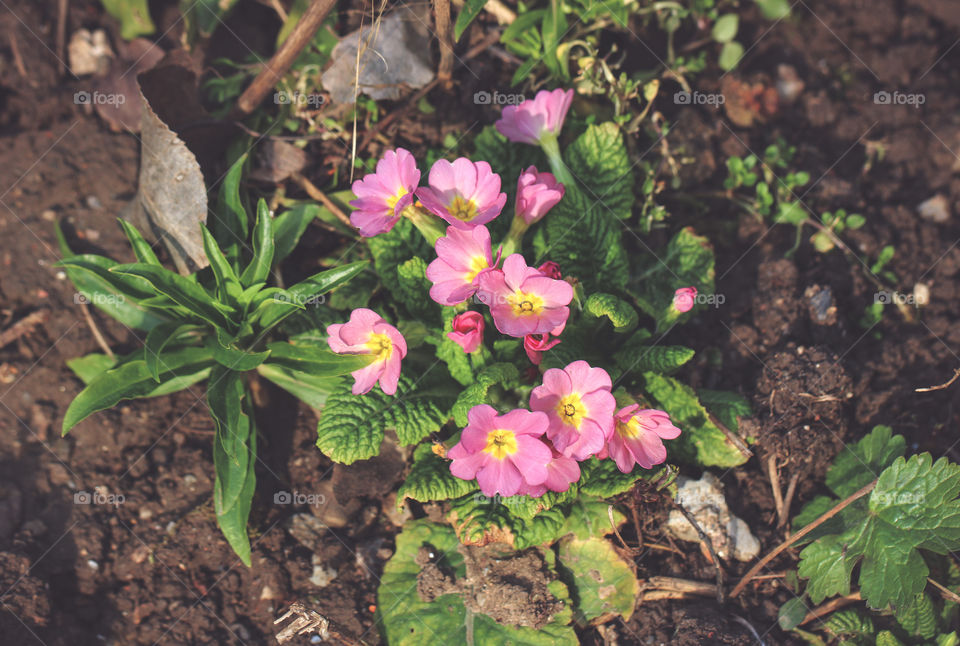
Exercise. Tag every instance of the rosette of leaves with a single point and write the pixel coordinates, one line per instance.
(899, 537)
(217, 326)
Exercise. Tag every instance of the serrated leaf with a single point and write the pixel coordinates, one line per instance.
(919, 617)
(407, 620)
(481, 520)
(351, 426)
(657, 358)
(414, 288)
(729, 407)
(602, 478)
(599, 158)
(462, 366)
(700, 441)
(430, 479)
(620, 313)
(504, 374)
(391, 249)
(849, 623)
(591, 519)
(858, 464)
(828, 567)
(601, 583)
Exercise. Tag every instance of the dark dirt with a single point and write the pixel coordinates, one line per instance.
(154, 568)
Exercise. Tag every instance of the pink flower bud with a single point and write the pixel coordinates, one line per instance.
(467, 330)
(550, 269)
(536, 347)
(537, 193)
(684, 298)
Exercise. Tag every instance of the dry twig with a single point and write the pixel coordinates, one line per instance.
(23, 327)
(830, 606)
(956, 374)
(321, 197)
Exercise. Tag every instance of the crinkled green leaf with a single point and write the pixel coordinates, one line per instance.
(603, 478)
(462, 366)
(598, 158)
(849, 622)
(504, 374)
(828, 567)
(479, 520)
(656, 358)
(587, 518)
(430, 479)
(351, 426)
(407, 620)
(701, 441)
(919, 617)
(859, 464)
(602, 584)
(414, 287)
(621, 314)
(394, 248)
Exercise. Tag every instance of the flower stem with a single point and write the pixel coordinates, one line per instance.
(513, 242)
(552, 150)
(427, 224)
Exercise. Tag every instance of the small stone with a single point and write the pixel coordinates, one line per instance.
(94, 202)
(145, 514)
(49, 215)
(190, 480)
(921, 294)
(936, 209)
(93, 565)
(322, 574)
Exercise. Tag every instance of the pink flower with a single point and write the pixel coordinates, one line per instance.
(578, 401)
(684, 298)
(522, 300)
(561, 473)
(528, 122)
(537, 193)
(550, 269)
(638, 437)
(367, 333)
(383, 195)
(467, 330)
(462, 255)
(536, 347)
(463, 193)
(503, 452)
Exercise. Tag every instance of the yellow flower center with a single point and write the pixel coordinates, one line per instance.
(571, 410)
(462, 209)
(501, 443)
(630, 429)
(380, 346)
(525, 304)
(477, 264)
(393, 199)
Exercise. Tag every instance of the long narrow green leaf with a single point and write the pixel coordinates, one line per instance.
(471, 9)
(259, 268)
(228, 285)
(233, 521)
(182, 290)
(141, 248)
(313, 391)
(157, 339)
(289, 226)
(228, 355)
(131, 380)
(316, 361)
(274, 312)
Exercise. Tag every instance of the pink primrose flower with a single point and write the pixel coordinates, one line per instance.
(536, 347)
(462, 255)
(684, 299)
(638, 437)
(467, 330)
(463, 193)
(537, 193)
(529, 121)
(383, 195)
(522, 300)
(367, 333)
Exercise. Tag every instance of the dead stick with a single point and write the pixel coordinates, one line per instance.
(281, 61)
(830, 606)
(705, 540)
(775, 487)
(803, 532)
(947, 593)
(96, 331)
(63, 7)
(956, 373)
(23, 327)
(441, 16)
(321, 197)
(732, 437)
(788, 497)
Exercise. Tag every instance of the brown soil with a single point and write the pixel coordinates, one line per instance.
(154, 568)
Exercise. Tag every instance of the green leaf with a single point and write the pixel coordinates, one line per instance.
(730, 55)
(182, 291)
(828, 567)
(351, 426)
(131, 380)
(502, 374)
(274, 311)
(602, 478)
(664, 359)
(414, 288)
(134, 17)
(157, 339)
(850, 623)
(480, 520)
(701, 441)
(202, 17)
(430, 479)
(313, 391)
(621, 314)
(727, 406)
(601, 583)
(229, 288)
(887, 638)
(471, 9)
(289, 227)
(774, 9)
(859, 464)
(792, 613)
(262, 262)
(407, 620)
(599, 158)
(91, 366)
(394, 248)
(230, 227)
(919, 496)
(591, 519)
(315, 360)
(919, 617)
(462, 366)
(141, 248)
(725, 29)
(227, 353)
